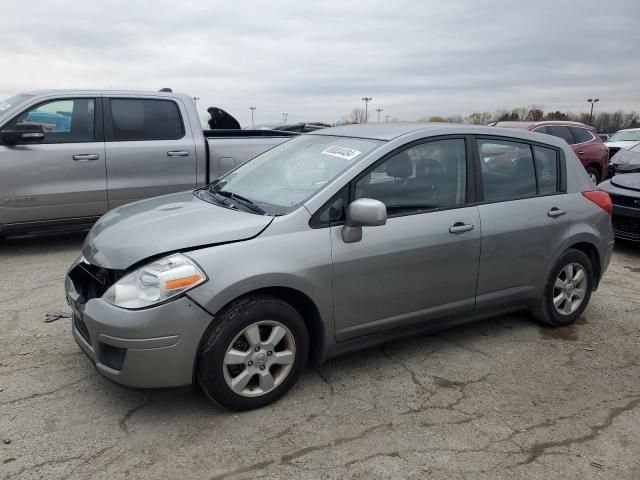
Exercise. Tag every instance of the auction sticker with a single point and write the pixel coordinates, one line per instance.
(341, 152)
(4, 106)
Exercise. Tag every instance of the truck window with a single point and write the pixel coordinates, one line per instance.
(144, 119)
(63, 121)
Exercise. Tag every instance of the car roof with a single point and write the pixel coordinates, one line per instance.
(627, 130)
(390, 131)
(542, 123)
(106, 92)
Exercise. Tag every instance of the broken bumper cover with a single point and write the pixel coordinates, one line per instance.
(149, 348)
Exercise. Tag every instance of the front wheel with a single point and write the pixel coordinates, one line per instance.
(254, 354)
(567, 290)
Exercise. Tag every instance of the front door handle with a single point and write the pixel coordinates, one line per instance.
(177, 153)
(555, 212)
(84, 157)
(580, 152)
(460, 227)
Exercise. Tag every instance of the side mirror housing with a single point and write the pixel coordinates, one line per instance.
(22, 133)
(364, 212)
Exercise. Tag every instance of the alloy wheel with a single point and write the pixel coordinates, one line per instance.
(570, 289)
(259, 358)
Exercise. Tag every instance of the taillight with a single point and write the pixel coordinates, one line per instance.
(600, 198)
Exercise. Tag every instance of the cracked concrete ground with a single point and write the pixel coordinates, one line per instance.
(503, 398)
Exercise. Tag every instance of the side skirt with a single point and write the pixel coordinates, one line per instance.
(387, 336)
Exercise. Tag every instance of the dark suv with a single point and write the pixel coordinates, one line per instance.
(583, 139)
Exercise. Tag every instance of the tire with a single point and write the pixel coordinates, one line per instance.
(546, 311)
(594, 174)
(229, 354)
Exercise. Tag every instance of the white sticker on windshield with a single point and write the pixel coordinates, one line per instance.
(342, 152)
(4, 106)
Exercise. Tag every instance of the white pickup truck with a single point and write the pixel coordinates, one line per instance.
(69, 156)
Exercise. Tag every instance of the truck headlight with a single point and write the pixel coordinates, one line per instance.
(155, 283)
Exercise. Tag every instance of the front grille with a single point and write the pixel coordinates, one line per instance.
(625, 201)
(626, 227)
(91, 281)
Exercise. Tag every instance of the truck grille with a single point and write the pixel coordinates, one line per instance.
(626, 227)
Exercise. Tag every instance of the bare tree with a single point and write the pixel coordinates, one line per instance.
(357, 116)
(535, 113)
(479, 118)
(455, 119)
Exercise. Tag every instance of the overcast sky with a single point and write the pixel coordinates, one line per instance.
(317, 59)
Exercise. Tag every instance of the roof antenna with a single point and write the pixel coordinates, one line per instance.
(165, 89)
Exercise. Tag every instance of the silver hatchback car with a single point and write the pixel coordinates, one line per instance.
(335, 241)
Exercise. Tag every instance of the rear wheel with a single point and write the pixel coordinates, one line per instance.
(254, 354)
(567, 290)
(594, 175)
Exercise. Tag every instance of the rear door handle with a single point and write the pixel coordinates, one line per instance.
(177, 153)
(555, 212)
(460, 227)
(83, 157)
(580, 152)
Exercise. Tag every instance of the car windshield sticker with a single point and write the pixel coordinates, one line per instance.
(4, 106)
(342, 152)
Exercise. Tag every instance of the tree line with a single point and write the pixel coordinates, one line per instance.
(602, 121)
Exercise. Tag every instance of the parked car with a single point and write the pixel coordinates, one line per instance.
(583, 140)
(624, 190)
(68, 156)
(623, 139)
(625, 161)
(604, 136)
(337, 240)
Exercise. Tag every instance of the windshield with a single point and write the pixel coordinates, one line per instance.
(12, 102)
(282, 178)
(625, 135)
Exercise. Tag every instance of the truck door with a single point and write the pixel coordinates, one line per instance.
(61, 178)
(150, 150)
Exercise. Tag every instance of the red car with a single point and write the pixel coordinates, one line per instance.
(583, 139)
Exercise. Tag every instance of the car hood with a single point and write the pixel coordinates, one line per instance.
(624, 144)
(626, 157)
(629, 181)
(181, 221)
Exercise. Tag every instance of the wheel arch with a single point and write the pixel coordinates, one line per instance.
(299, 300)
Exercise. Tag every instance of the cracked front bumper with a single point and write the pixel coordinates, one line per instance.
(150, 348)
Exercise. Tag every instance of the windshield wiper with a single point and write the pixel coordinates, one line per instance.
(241, 200)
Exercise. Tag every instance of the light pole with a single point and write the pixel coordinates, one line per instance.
(284, 117)
(252, 110)
(592, 101)
(366, 101)
(379, 110)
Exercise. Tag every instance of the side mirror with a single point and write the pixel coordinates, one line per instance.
(364, 212)
(22, 133)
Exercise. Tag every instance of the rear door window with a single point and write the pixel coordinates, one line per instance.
(507, 170)
(541, 130)
(546, 169)
(561, 132)
(144, 119)
(581, 134)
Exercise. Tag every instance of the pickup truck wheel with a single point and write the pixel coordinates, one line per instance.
(594, 175)
(254, 353)
(567, 290)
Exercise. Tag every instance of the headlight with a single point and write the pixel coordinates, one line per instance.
(155, 283)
